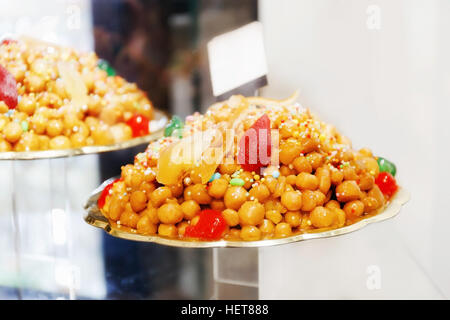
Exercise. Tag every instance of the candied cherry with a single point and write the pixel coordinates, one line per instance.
(210, 226)
(8, 41)
(102, 199)
(8, 88)
(139, 125)
(387, 184)
(256, 154)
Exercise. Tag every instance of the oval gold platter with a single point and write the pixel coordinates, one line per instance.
(95, 218)
(156, 131)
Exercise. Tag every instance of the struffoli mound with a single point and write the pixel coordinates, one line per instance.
(313, 180)
(53, 97)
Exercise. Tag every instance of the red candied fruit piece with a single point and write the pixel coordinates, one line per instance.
(387, 184)
(139, 125)
(8, 41)
(102, 199)
(259, 150)
(8, 88)
(210, 226)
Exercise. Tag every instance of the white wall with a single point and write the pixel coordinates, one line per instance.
(387, 88)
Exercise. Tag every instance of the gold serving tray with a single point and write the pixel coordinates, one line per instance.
(158, 123)
(95, 218)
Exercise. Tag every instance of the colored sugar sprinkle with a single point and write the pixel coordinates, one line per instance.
(215, 176)
(24, 125)
(237, 182)
(276, 174)
(322, 138)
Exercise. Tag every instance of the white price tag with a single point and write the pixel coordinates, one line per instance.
(237, 59)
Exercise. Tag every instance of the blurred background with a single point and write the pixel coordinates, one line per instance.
(377, 69)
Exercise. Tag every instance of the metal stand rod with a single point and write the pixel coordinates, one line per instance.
(235, 273)
(60, 212)
(16, 228)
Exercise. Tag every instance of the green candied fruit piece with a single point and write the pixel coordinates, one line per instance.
(104, 65)
(386, 166)
(174, 127)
